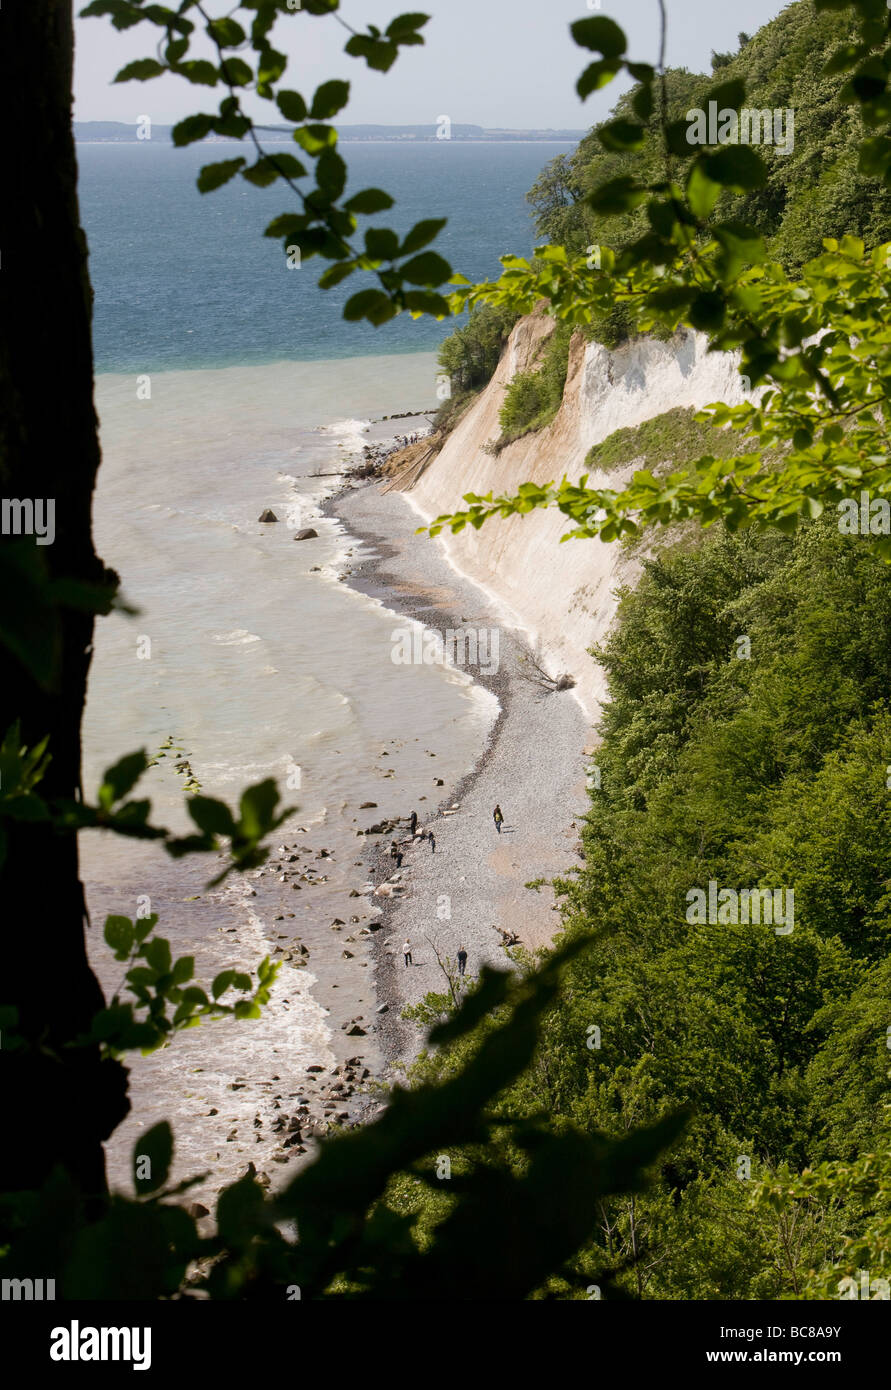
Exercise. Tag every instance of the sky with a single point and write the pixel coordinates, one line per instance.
(495, 63)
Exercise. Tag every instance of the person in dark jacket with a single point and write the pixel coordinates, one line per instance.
(462, 961)
(498, 818)
(413, 821)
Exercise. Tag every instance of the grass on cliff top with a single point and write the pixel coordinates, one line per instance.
(674, 437)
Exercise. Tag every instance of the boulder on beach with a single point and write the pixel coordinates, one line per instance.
(268, 516)
(307, 534)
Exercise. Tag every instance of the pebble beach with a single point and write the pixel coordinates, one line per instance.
(335, 913)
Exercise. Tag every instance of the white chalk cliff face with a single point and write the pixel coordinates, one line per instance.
(564, 595)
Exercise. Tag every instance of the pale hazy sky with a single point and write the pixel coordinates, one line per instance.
(487, 62)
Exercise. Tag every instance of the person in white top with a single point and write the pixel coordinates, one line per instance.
(406, 951)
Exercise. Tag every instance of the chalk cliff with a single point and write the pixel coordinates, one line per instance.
(564, 595)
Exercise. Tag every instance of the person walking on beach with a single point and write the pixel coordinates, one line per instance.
(498, 818)
(432, 838)
(413, 821)
(396, 853)
(462, 961)
(406, 951)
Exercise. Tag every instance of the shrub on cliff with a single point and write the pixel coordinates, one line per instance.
(533, 398)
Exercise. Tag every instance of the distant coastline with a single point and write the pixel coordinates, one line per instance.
(123, 132)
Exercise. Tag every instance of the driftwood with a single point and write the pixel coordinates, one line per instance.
(537, 673)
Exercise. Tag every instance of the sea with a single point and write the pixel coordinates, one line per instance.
(228, 384)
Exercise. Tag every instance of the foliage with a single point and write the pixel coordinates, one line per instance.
(768, 769)
(533, 398)
(357, 1233)
(864, 1255)
(21, 770)
(755, 772)
(815, 186)
(354, 1239)
(676, 436)
(817, 343)
(408, 275)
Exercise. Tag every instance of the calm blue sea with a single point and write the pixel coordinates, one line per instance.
(184, 280)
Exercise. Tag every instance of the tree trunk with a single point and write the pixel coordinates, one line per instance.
(59, 1105)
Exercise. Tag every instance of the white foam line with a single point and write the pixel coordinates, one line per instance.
(370, 601)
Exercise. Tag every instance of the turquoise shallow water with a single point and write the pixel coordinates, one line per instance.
(185, 280)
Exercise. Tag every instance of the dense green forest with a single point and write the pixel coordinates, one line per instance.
(747, 742)
(746, 745)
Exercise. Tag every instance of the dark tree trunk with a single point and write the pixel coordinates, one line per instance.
(59, 1105)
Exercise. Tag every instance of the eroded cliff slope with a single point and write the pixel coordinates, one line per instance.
(564, 595)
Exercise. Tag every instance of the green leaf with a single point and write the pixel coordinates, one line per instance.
(600, 34)
(157, 953)
(642, 101)
(270, 67)
(215, 175)
(617, 195)
(730, 94)
(875, 156)
(289, 225)
(26, 807)
(124, 775)
(226, 32)
(236, 72)
(258, 809)
(421, 234)
(156, 1146)
(368, 201)
(371, 304)
(183, 969)
(192, 128)
(141, 70)
(211, 816)
(123, 15)
(199, 72)
(597, 75)
(381, 244)
(335, 273)
(622, 135)
(426, 269)
(315, 138)
(119, 934)
(330, 98)
(742, 240)
(291, 105)
(707, 311)
(239, 1212)
(737, 167)
(261, 174)
(702, 192)
(405, 25)
(423, 302)
(379, 54)
(222, 982)
(331, 173)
